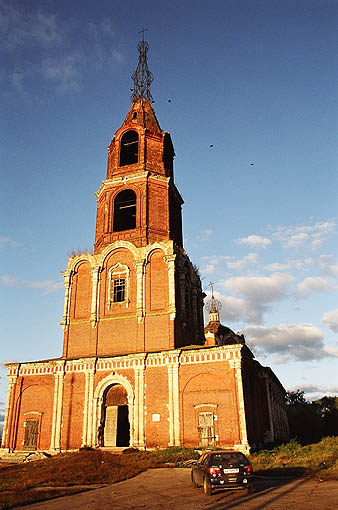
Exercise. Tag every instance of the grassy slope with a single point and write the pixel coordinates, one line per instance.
(59, 475)
(318, 459)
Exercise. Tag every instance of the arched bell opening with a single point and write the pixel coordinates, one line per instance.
(114, 429)
(124, 211)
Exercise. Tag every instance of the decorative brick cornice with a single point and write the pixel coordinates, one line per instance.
(175, 357)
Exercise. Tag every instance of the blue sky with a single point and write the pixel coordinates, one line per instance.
(258, 81)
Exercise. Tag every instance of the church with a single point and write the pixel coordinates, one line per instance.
(138, 368)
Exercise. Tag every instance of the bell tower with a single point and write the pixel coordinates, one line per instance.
(139, 201)
(138, 291)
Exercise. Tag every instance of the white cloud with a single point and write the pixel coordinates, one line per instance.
(208, 269)
(205, 235)
(8, 241)
(234, 310)
(296, 236)
(298, 264)
(47, 286)
(277, 266)
(253, 296)
(314, 392)
(315, 284)
(251, 259)
(297, 342)
(331, 319)
(260, 288)
(255, 241)
(19, 27)
(64, 71)
(328, 263)
(210, 263)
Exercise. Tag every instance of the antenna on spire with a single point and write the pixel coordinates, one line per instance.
(142, 77)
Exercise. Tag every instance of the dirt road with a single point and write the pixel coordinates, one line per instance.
(171, 489)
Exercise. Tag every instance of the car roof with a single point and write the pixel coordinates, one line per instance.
(223, 451)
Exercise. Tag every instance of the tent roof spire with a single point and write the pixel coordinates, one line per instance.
(142, 77)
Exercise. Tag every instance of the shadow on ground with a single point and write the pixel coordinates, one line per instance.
(267, 485)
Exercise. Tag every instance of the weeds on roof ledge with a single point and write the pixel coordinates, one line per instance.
(80, 251)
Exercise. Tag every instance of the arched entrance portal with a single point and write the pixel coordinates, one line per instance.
(115, 427)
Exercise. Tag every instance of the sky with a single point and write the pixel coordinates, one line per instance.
(252, 114)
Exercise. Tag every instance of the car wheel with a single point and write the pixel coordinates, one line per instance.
(206, 487)
(193, 481)
(250, 490)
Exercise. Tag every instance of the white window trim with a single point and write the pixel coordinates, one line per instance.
(121, 271)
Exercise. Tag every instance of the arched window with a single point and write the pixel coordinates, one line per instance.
(125, 210)
(129, 148)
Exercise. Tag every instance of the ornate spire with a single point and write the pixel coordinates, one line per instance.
(142, 76)
(213, 306)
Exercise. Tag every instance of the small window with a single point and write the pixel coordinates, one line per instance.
(129, 148)
(119, 290)
(125, 211)
(118, 285)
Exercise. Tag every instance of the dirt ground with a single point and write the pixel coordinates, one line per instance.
(171, 489)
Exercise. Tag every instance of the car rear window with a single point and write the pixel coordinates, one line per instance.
(218, 459)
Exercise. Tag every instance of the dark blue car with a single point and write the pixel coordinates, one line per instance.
(223, 470)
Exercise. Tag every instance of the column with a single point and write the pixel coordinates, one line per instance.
(9, 408)
(139, 371)
(94, 306)
(55, 402)
(67, 281)
(85, 412)
(91, 434)
(57, 407)
(171, 406)
(170, 260)
(140, 305)
(237, 365)
(136, 420)
(176, 405)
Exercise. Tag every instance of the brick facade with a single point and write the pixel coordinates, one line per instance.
(136, 367)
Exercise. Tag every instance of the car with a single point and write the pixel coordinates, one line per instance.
(223, 469)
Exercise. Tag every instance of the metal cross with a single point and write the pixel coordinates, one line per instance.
(142, 32)
(211, 284)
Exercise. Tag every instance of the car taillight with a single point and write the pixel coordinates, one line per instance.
(214, 470)
(248, 470)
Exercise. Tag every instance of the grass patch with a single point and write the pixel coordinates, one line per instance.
(318, 460)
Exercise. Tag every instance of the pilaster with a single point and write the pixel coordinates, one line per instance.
(237, 365)
(140, 282)
(170, 260)
(57, 407)
(12, 379)
(139, 371)
(173, 404)
(68, 283)
(95, 286)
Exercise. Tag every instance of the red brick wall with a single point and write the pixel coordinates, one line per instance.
(157, 433)
(81, 292)
(34, 394)
(72, 411)
(209, 384)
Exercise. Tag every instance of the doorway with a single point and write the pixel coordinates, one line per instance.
(115, 417)
(31, 434)
(206, 430)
